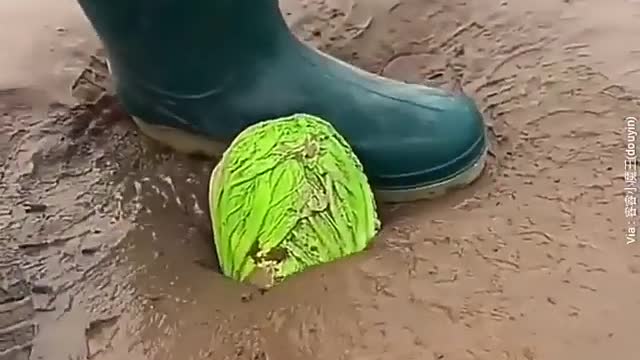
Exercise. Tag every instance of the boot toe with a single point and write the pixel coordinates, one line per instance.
(414, 141)
(433, 140)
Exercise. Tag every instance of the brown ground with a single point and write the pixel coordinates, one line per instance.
(530, 263)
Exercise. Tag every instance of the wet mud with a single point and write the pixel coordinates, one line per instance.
(530, 262)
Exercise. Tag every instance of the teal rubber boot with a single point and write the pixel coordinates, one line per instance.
(195, 73)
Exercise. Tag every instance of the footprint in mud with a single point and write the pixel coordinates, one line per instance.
(85, 187)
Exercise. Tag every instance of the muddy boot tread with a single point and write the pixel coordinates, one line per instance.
(17, 328)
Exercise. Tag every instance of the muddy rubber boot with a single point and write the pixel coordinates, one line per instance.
(195, 73)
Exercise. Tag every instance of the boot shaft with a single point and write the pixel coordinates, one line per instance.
(173, 42)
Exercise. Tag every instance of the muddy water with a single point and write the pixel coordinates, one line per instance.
(528, 263)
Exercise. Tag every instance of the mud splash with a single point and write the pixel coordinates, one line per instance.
(529, 263)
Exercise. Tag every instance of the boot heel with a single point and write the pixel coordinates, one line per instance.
(181, 140)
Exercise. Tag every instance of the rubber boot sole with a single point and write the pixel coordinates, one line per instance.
(188, 143)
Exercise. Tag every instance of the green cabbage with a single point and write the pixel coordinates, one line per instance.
(288, 194)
